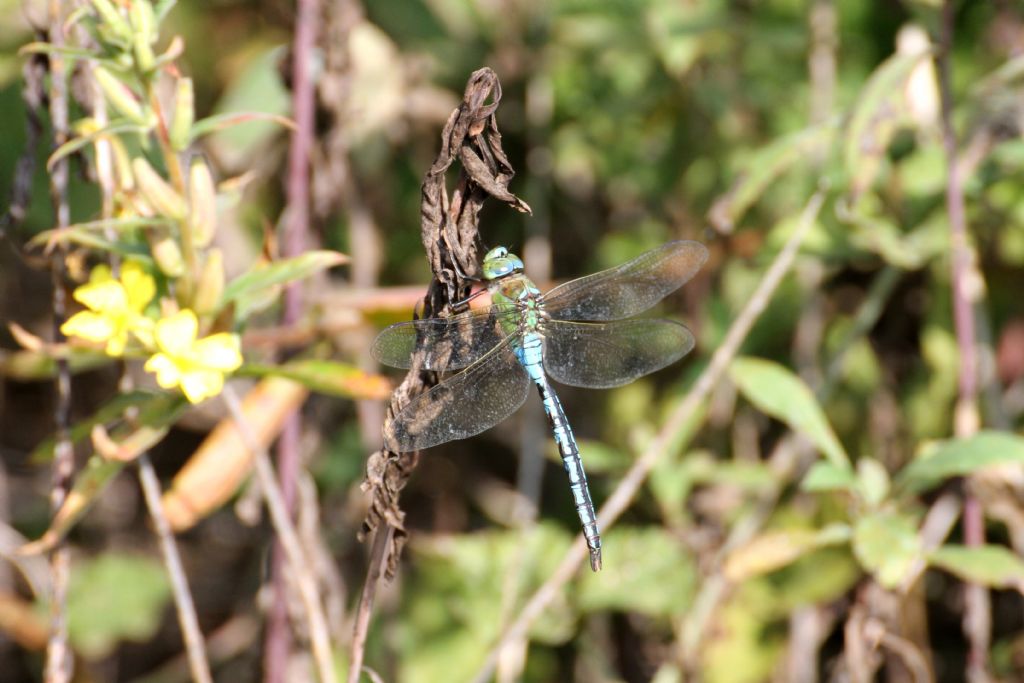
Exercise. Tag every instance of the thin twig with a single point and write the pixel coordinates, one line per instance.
(299, 564)
(193, 636)
(58, 656)
(666, 440)
(966, 420)
(381, 543)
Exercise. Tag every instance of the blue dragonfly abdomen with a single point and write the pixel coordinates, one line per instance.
(576, 334)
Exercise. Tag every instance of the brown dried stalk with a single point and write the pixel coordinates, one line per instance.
(449, 231)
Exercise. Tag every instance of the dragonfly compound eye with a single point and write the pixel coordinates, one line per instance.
(499, 262)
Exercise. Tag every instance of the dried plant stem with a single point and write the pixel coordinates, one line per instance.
(58, 656)
(298, 561)
(378, 553)
(194, 645)
(666, 440)
(965, 292)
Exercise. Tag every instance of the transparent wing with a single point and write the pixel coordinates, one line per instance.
(603, 355)
(451, 343)
(476, 399)
(628, 289)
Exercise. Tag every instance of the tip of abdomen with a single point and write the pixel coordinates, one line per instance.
(595, 559)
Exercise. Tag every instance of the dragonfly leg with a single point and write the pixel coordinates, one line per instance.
(459, 305)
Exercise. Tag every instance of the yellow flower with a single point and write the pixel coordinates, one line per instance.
(196, 365)
(115, 308)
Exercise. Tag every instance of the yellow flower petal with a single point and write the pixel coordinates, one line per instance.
(201, 384)
(116, 343)
(100, 273)
(138, 284)
(177, 333)
(167, 373)
(88, 325)
(102, 296)
(218, 352)
(142, 328)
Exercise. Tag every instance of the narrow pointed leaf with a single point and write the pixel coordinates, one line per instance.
(762, 169)
(326, 377)
(827, 476)
(877, 116)
(75, 144)
(781, 394)
(89, 484)
(988, 565)
(150, 406)
(773, 550)
(218, 122)
(39, 365)
(264, 277)
(959, 457)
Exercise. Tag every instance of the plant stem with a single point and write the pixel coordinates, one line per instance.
(378, 553)
(186, 609)
(59, 663)
(298, 563)
(295, 239)
(965, 292)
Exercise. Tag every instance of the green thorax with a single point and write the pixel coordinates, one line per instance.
(511, 290)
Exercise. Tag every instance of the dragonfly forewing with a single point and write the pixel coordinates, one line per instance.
(466, 404)
(629, 289)
(448, 343)
(605, 355)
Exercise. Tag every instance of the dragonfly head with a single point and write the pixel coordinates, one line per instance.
(499, 262)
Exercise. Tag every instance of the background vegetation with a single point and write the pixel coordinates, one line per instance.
(836, 495)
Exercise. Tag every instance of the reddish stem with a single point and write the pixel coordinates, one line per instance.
(293, 243)
(977, 613)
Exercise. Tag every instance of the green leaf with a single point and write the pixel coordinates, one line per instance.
(115, 597)
(30, 365)
(449, 623)
(87, 238)
(773, 550)
(90, 482)
(326, 377)
(149, 404)
(886, 544)
(988, 565)
(263, 277)
(154, 414)
(117, 225)
(958, 457)
(827, 476)
(219, 122)
(762, 169)
(781, 394)
(879, 113)
(75, 144)
(873, 481)
(646, 570)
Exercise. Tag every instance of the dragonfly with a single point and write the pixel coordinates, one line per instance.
(579, 334)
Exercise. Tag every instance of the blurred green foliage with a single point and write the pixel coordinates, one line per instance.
(631, 123)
